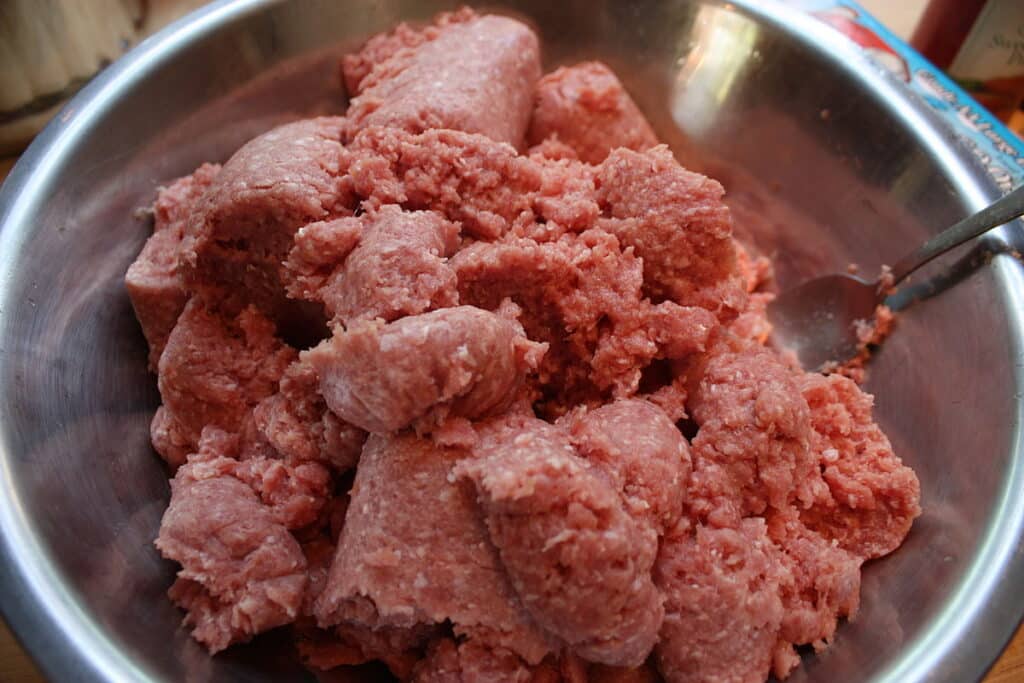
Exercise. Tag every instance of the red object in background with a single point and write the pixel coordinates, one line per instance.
(980, 43)
(943, 28)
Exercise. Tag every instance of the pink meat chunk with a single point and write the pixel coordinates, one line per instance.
(319, 553)
(586, 107)
(579, 563)
(670, 394)
(722, 604)
(581, 295)
(172, 441)
(460, 361)
(540, 279)
(242, 229)
(470, 662)
(552, 149)
(399, 266)
(822, 584)
(482, 184)
(567, 199)
(295, 493)
(756, 269)
(752, 323)
(242, 572)
(757, 273)
(154, 284)
(383, 46)
(470, 179)
(317, 250)
(677, 223)
(872, 498)
(644, 454)
(296, 423)
(414, 551)
(350, 644)
(646, 333)
(755, 432)
(476, 75)
(213, 371)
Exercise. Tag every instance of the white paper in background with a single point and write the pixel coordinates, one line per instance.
(995, 46)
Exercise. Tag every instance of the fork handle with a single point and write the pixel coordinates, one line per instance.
(1001, 211)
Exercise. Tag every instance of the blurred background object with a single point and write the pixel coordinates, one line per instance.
(900, 16)
(980, 44)
(51, 48)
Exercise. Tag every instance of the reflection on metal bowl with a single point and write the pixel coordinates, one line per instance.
(738, 91)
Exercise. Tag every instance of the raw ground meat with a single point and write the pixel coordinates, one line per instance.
(474, 180)
(821, 584)
(396, 268)
(566, 201)
(752, 324)
(169, 439)
(381, 47)
(872, 498)
(319, 553)
(213, 371)
(755, 433)
(541, 279)
(242, 572)
(413, 551)
(240, 232)
(475, 75)
(677, 223)
(525, 426)
(153, 281)
(585, 107)
(295, 422)
(722, 603)
(351, 644)
(471, 662)
(456, 361)
(642, 451)
(580, 564)
(758, 275)
(294, 493)
(581, 295)
(318, 253)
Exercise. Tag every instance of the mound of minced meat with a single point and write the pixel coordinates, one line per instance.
(473, 381)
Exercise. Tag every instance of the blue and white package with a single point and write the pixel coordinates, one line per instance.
(1000, 151)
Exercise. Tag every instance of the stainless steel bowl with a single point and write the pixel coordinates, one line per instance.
(738, 88)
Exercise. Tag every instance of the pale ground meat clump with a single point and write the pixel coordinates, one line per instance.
(426, 372)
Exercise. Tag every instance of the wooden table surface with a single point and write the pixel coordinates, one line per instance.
(16, 667)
